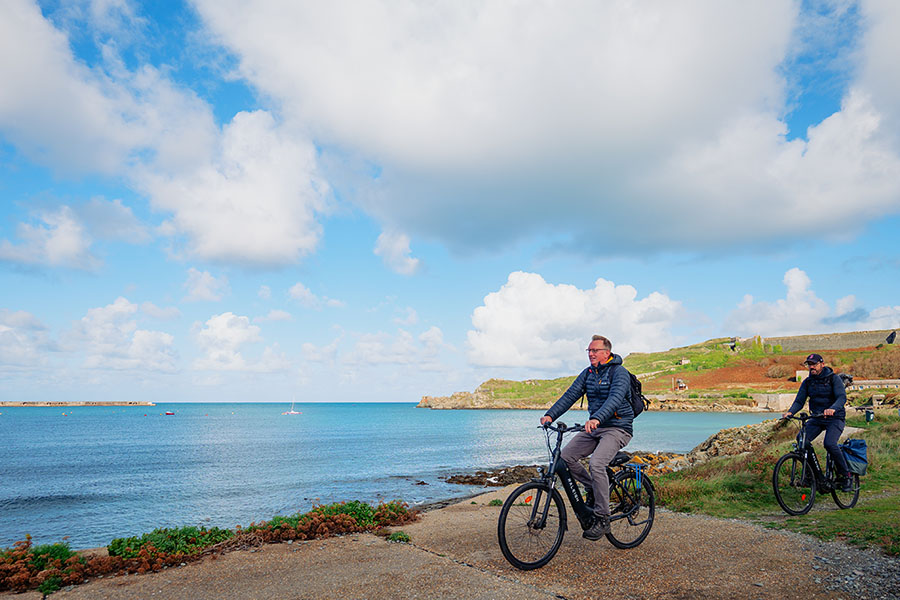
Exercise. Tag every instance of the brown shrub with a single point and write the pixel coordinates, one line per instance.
(779, 371)
(884, 364)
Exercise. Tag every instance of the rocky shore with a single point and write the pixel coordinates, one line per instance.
(727, 442)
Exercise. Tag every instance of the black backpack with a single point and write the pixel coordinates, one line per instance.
(639, 402)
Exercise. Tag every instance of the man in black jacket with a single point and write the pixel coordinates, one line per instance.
(608, 429)
(826, 394)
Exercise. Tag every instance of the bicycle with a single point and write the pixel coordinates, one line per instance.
(798, 475)
(533, 519)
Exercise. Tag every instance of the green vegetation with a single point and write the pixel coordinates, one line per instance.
(740, 486)
(495, 502)
(400, 537)
(49, 567)
(184, 540)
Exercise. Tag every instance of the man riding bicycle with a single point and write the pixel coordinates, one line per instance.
(608, 430)
(825, 390)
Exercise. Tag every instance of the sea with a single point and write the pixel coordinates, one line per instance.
(87, 475)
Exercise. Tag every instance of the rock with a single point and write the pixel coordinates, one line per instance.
(499, 478)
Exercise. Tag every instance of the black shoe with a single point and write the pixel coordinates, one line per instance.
(600, 528)
(846, 484)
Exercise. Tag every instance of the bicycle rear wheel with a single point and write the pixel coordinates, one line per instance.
(631, 509)
(847, 499)
(531, 526)
(794, 490)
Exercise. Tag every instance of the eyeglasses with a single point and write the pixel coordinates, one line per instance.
(590, 350)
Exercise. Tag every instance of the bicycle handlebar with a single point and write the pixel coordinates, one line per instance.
(561, 427)
(804, 417)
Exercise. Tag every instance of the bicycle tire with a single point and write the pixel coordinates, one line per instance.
(525, 546)
(638, 505)
(847, 499)
(794, 496)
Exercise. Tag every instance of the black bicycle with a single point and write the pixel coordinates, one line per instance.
(533, 519)
(798, 476)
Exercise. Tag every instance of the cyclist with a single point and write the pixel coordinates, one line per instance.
(825, 390)
(608, 430)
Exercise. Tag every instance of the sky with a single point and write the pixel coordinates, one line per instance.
(223, 200)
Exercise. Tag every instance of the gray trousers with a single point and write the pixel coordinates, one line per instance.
(602, 444)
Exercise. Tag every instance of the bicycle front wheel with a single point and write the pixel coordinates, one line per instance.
(631, 509)
(847, 499)
(795, 490)
(531, 526)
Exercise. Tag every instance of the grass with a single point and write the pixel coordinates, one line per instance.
(740, 487)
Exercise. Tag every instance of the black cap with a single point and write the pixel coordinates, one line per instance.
(813, 359)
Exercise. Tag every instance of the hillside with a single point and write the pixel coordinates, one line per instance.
(723, 372)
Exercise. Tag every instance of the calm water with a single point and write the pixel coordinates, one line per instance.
(103, 472)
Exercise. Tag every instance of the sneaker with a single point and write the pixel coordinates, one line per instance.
(846, 484)
(600, 528)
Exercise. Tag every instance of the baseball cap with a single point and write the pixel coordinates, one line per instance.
(813, 359)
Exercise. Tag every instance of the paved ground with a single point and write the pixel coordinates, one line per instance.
(454, 554)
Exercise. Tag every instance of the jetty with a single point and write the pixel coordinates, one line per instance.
(77, 403)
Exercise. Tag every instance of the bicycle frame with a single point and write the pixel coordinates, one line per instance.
(558, 467)
(824, 479)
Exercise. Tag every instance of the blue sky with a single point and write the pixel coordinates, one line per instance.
(367, 201)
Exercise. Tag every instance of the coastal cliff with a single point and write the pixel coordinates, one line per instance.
(534, 394)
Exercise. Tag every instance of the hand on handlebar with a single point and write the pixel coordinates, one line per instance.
(787, 415)
(591, 425)
(828, 412)
(546, 420)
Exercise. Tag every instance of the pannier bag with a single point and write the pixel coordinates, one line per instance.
(856, 455)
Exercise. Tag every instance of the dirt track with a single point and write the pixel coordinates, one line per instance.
(454, 554)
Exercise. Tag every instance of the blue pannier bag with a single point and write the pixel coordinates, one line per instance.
(856, 455)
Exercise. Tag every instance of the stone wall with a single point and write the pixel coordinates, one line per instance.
(773, 402)
(829, 341)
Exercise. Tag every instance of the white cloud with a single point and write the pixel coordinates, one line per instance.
(246, 194)
(400, 349)
(253, 201)
(411, 318)
(201, 285)
(113, 221)
(274, 315)
(58, 240)
(393, 248)
(24, 341)
(222, 338)
(63, 114)
(801, 311)
(321, 354)
(110, 339)
(531, 323)
(304, 296)
(167, 313)
(493, 122)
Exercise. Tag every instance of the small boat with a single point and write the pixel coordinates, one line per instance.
(292, 411)
(169, 412)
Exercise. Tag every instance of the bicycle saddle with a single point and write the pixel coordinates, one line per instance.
(620, 459)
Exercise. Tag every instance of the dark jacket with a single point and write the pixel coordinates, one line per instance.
(825, 390)
(607, 387)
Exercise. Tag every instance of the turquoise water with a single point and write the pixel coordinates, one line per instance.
(103, 472)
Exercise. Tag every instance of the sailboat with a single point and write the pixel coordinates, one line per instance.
(292, 411)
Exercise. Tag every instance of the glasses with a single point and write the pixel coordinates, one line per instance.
(593, 350)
